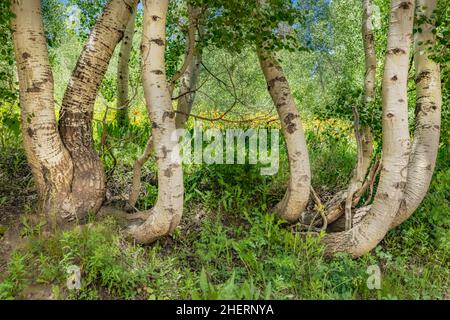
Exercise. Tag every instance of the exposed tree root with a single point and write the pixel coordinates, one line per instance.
(137, 172)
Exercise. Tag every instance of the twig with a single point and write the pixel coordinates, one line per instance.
(369, 198)
(357, 176)
(320, 208)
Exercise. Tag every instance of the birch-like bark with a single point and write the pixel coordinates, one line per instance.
(75, 125)
(164, 217)
(428, 115)
(369, 80)
(297, 194)
(123, 72)
(187, 91)
(189, 77)
(50, 162)
(363, 135)
(189, 73)
(364, 236)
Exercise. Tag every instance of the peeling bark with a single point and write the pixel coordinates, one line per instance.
(75, 125)
(50, 162)
(364, 236)
(123, 72)
(297, 194)
(164, 217)
(428, 117)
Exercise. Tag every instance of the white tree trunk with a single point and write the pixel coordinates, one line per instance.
(164, 217)
(123, 71)
(364, 134)
(297, 194)
(428, 116)
(191, 70)
(396, 145)
(50, 162)
(75, 125)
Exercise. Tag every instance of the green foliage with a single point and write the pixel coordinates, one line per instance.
(8, 85)
(87, 13)
(229, 245)
(236, 24)
(54, 16)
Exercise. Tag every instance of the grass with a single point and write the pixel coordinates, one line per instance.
(230, 246)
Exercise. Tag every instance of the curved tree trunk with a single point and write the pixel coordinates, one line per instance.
(369, 80)
(396, 145)
(164, 217)
(75, 125)
(428, 116)
(123, 71)
(190, 75)
(50, 162)
(187, 91)
(297, 194)
(364, 134)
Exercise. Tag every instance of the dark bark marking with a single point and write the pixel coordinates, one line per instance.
(34, 89)
(423, 75)
(289, 117)
(390, 115)
(405, 5)
(290, 126)
(394, 78)
(45, 174)
(158, 41)
(156, 71)
(397, 51)
(169, 114)
(30, 132)
(130, 8)
(164, 151)
(400, 185)
(418, 108)
(270, 83)
(168, 172)
(26, 55)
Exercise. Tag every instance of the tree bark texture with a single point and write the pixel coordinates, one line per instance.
(123, 72)
(297, 194)
(364, 236)
(164, 217)
(75, 125)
